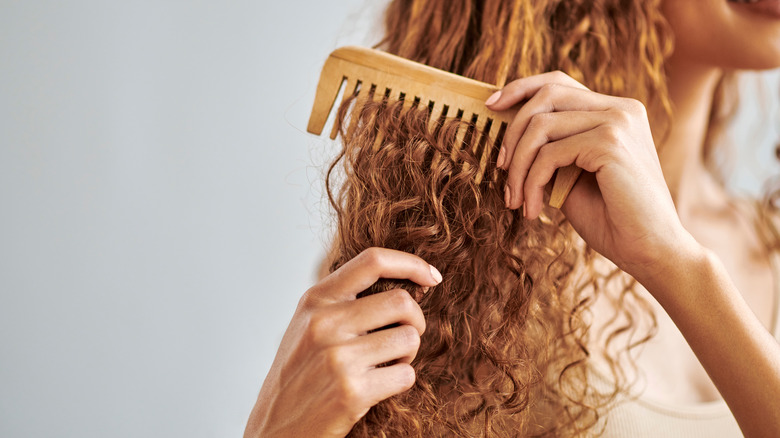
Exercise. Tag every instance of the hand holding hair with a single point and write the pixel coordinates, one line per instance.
(326, 374)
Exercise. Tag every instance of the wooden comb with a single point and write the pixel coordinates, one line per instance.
(375, 75)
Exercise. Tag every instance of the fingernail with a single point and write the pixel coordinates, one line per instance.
(493, 98)
(501, 157)
(507, 196)
(435, 274)
(524, 210)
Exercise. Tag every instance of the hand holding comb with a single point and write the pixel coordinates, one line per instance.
(373, 74)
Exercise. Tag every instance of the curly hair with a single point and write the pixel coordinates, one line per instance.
(505, 352)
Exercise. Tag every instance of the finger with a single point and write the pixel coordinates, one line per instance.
(521, 89)
(549, 99)
(385, 382)
(379, 310)
(553, 156)
(393, 344)
(370, 265)
(542, 129)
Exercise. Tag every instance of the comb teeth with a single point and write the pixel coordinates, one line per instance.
(363, 91)
(437, 113)
(369, 73)
(360, 101)
(497, 130)
(349, 90)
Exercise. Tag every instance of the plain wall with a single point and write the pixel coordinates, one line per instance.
(161, 205)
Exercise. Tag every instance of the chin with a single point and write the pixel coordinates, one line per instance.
(730, 34)
(762, 50)
(759, 9)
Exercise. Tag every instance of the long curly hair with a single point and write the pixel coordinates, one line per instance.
(506, 348)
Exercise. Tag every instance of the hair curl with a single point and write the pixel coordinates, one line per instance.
(505, 350)
(493, 318)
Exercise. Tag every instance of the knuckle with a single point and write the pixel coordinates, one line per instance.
(544, 155)
(350, 393)
(621, 115)
(408, 336)
(548, 159)
(635, 107)
(539, 123)
(524, 154)
(308, 298)
(401, 300)
(372, 257)
(611, 133)
(337, 360)
(319, 327)
(406, 376)
(548, 90)
(560, 75)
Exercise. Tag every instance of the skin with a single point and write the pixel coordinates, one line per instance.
(633, 206)
(325, 376)
(727, 349)
(715, 38)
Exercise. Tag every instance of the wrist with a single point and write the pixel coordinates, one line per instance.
(675, 263)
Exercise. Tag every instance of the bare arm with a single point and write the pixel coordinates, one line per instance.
(622, 208)
(740, 356)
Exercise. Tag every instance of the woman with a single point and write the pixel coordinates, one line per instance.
(501, 354)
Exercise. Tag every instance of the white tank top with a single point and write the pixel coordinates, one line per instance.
(638, 416)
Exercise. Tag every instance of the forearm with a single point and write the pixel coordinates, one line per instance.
(738, 353)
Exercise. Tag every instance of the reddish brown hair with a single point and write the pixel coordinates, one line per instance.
(505, 350)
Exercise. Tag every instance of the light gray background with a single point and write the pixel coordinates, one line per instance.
(161, 205)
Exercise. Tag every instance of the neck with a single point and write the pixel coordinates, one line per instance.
(691, 88)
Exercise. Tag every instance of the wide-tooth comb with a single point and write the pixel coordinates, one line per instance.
(376, 75)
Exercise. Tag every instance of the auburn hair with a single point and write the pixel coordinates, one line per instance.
(508, 329)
